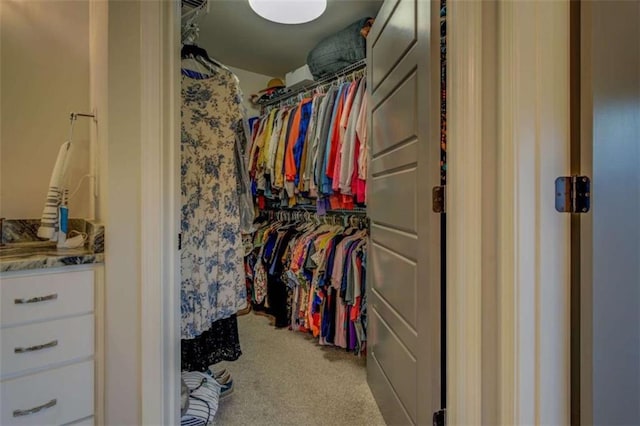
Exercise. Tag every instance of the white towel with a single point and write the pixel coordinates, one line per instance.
(49, 222)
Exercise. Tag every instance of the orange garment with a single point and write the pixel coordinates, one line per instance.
(278, 181)
(290, 161)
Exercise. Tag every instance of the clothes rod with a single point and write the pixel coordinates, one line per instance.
(356, 66)
(312, 209)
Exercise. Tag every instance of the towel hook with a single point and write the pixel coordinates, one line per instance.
(73, 117)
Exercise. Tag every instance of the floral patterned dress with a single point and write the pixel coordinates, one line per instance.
(213, 279)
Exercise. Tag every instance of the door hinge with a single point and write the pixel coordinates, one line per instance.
(438, 197)
(573, 194)
(438, 418)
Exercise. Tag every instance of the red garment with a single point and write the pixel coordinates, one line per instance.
(355, 310)
(335, 138)
(344, 119)
(358, 186)
(347, 202)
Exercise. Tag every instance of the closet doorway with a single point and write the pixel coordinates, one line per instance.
(404, 262)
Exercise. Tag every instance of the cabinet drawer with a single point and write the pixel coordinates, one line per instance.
(41, 344)
(62, 394)
(45, 296)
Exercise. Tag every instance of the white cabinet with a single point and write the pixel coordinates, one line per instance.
(48, 346)
(55, 396)
(44, 296)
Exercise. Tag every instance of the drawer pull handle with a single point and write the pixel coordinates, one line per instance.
(36, 299)
(20, 413)
(51, 344)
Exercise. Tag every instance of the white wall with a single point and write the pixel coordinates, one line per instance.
(44, 75)
(250, 83)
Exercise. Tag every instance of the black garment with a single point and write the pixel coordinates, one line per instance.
(219, 343)
(277, 289)
(332, 306)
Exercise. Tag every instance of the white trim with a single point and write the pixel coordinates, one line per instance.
(159, 361)
(99, 357)
(152, 214)
(534, 239)
(172, 208)
(464, 214)
(532, 92)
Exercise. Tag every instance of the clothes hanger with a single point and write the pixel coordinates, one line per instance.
(199, 56)
(190, 49)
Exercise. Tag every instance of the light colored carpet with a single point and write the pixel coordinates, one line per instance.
(286, 378)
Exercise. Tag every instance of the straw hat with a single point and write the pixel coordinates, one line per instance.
(274, 83)
(274, 88)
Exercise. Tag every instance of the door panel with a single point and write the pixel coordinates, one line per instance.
(402, 156)
(400, 121)
(400, 33)
(393, 200)
(404, 363)
(387, 399)
(397, 362)
(394, 280)
(407, 334)
(404, 243)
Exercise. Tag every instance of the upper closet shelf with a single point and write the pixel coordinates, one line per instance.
(346, 71)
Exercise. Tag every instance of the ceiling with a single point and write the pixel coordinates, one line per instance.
(234, 35)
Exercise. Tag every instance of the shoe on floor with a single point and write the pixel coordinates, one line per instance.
(227, 389)
(217, 374)
(223, 378)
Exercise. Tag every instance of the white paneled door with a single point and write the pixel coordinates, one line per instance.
(404, 297)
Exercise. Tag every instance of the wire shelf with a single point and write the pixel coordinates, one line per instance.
(356, 66)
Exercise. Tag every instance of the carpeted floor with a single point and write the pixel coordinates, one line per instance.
(286, 378)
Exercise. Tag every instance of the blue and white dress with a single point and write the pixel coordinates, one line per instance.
(213, 277)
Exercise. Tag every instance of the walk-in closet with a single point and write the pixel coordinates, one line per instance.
(312, 171)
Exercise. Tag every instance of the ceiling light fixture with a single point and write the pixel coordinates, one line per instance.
(289, 11)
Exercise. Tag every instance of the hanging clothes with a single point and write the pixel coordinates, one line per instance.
(311, 277)
(313, 152)
(213, 278)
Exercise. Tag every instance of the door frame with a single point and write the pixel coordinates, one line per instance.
(508, 310)
(483, 68)
(160, 212)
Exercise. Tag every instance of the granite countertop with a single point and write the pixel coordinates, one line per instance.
(22, 250)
